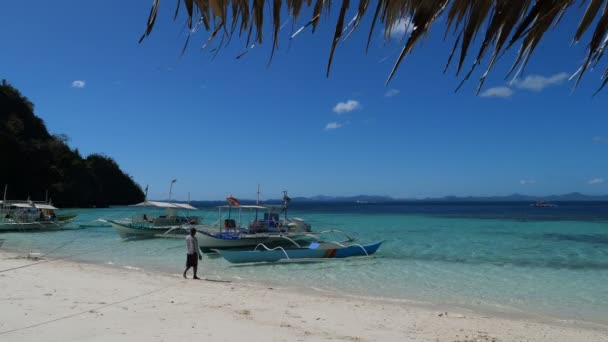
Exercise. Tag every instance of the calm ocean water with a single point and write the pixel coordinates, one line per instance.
(496, 256)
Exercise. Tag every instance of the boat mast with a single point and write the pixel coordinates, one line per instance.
(257, 202)
(219, 218)
(4, 198)
(285, 201)
(171, 188)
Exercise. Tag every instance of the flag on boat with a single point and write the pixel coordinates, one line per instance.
(233, 201)
(286, 199)
(173, 181)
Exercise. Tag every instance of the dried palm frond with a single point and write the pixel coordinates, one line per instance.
(502, 23)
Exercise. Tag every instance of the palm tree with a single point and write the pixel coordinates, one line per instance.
(502, 23)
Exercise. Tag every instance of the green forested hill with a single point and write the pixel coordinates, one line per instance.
(32, 161)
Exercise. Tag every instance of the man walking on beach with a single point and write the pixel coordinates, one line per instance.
(193, 255)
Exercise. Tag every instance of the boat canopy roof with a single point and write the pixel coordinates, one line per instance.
(44, 206)
(20, 205)
(30, 205)
(185, 206)
(243, 207)
(270, 208)
(165, 205)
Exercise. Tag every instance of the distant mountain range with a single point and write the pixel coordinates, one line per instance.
(360, 198)
(574, 196)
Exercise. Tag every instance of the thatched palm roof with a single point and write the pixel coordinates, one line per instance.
(501, 23)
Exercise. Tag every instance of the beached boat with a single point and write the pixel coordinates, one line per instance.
(142, 226)
(254, 224)
(31, 216)
(314, 251)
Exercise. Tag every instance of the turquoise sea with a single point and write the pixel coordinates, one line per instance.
(505, 257)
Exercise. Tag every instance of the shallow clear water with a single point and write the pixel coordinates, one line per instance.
(505, 257)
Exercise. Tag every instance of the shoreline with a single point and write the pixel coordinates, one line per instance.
(283, 311)
(486, 309)
(493, 310)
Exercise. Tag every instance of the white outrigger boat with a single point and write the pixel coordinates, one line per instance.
(256, 224)
(142, 226)
(31, 216)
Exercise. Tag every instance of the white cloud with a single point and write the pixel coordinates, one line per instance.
(600, 140)
(596, 181)
(391, 92)
(534, 83)
(527, 181)
(333, 125)
(538, 82)
(348, 106)
(79, 84)
(402, 27)
(503, 92)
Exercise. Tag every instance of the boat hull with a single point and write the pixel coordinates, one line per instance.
(210, 242)
(32, 226)
(275, 255)
(129, 231)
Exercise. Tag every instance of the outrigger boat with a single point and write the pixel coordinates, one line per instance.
(31, 216)
(262, 225)
(169, 225)
(314, 251)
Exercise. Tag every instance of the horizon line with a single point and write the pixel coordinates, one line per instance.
(399, 198)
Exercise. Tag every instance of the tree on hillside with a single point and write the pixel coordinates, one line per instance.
(501, 23)
(34, 162)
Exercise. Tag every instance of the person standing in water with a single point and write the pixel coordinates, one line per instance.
(193, 255)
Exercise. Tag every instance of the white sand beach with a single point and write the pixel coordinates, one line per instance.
(69, 301)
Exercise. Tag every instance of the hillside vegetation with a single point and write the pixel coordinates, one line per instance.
(34, 161)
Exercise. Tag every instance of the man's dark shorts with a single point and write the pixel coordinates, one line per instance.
(191, 260)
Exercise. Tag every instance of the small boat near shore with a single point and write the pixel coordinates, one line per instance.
(142, 226)
(251, 225)
(31, 216)
(314, 251)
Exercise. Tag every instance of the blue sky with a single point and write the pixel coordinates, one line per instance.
(221, 125)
